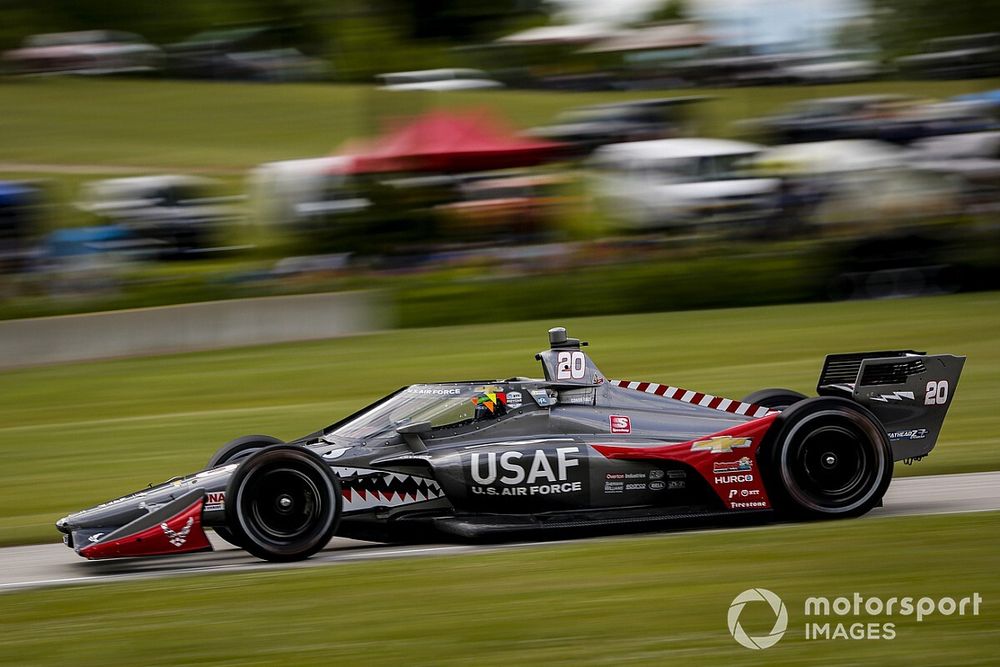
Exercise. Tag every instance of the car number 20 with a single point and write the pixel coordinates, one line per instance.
(936, 392)
(572, 366)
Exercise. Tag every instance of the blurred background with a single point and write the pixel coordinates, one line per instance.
(651, 153)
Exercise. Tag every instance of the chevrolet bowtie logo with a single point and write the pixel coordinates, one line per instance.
(720, 444)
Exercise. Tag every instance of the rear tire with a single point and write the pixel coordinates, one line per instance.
(830, 458)
(775, 398)
(235, 450)
(283, 503)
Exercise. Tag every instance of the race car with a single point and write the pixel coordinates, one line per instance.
(572, 450)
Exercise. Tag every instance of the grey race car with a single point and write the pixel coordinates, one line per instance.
(573, 450)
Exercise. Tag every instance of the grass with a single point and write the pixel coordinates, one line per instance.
(233, 126)
(650, 600)
(75, 435)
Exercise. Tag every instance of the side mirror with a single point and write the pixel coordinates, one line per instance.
(411, 435)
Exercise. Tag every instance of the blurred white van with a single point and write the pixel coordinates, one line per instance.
(681, 182)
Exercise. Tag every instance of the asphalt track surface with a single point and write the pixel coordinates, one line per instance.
(54, 565)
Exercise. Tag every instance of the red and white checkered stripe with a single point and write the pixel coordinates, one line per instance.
(695, 397)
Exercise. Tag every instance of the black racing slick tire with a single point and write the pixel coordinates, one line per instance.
(241, 448)
(235, 450)
(283, 503)
(774, 398)
(827, 458)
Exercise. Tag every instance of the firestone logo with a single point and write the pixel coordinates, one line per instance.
(780, 619)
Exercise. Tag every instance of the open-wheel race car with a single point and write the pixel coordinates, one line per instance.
(486, 459)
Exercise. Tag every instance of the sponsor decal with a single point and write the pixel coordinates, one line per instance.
(577, 397)
(621, 424)
(734, 479)
(543, 398)
(894, 396)
(656, 473)
(743, 493)
(515, 473)
(738, 504)
(657, 486)
(740, 465)
(179, 537)
(720, 444)
(215, 500)
(434, 391)
(910, 434)
(96, 537)
(514, 399)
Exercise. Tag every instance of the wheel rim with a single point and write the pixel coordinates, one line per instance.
(283, 504)
(832, 462)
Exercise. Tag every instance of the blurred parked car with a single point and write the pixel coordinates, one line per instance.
(893, 118)
(833, 66)
(959, 57)
(974, 158)
(587, 128)
(298, 193)
(440, 80)
(178, 213)
(91, 52)
(858, 187)
(682, 182)
(246, 54)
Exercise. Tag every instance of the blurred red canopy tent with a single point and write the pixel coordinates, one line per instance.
(443, 141)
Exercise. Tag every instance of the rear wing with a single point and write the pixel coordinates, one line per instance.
(908, 391)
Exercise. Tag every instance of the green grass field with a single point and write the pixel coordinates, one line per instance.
(75, 435)
(652, 600)
(231, 127)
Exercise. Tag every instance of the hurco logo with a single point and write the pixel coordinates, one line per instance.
(759, 641)
(720, 444)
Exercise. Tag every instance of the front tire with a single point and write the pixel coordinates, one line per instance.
(283, 503)
(236, 450)
(830, 458)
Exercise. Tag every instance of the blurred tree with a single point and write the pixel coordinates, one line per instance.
(668, 10)
(466, 20)
(900, 25)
